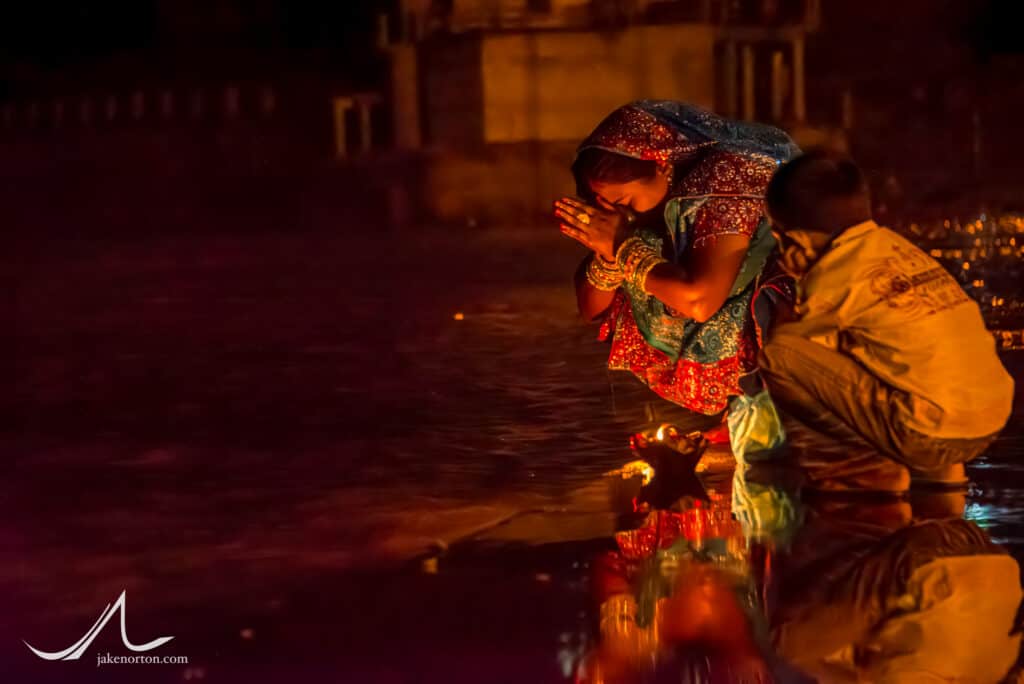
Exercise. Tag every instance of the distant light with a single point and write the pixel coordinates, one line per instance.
(967, 266)
(459, 316)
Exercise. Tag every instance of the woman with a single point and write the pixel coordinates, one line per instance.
(672, 207)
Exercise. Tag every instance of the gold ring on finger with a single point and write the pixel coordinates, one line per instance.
(584, 218)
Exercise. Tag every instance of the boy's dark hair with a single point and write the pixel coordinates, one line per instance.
(595, 164)
(820, 191)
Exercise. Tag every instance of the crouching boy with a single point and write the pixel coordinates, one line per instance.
(886, 348)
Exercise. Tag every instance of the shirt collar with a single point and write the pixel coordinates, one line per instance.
(854, 232)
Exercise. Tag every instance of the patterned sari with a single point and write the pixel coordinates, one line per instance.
(728, 164)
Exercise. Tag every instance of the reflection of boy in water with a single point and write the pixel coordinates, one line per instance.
(868, 595)
(888, 351)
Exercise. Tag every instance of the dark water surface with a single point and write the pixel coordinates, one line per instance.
(257, 439)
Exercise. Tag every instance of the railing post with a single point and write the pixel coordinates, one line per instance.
(799, 97)
(749, 109)
(340, 106)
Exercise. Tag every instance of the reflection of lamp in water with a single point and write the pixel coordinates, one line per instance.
(641, 469)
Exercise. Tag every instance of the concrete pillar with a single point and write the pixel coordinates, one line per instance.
(812, 15)
(383, 35)
(405, 100)
(268, 101)
(7, 115)
(232, 102)
(848, 109)
(196, 105)
(110, 108)
(58, 113)
(729, 64)
(340, 106)
(799, 93)
(778, 85)
(85, 110)
(749, 109)
(166, 104)
(977, 141)
(32, 114)
(138, 105)
(365, 127)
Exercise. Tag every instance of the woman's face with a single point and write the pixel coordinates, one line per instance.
(639, 195)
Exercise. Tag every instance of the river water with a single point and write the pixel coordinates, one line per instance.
(259, 439)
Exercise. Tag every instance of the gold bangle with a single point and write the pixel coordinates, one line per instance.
(643, 269)
(603, 276)
(633, 252)
(627, 253)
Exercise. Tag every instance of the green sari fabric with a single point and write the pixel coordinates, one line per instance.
(681, 337)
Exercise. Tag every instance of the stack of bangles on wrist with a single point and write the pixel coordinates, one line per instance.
(635, 259)
(603, 275)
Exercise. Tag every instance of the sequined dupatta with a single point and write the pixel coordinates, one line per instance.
(668, 131)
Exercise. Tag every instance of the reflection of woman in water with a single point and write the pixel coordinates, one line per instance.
(680, 601)
(671, 205)
(771, 589)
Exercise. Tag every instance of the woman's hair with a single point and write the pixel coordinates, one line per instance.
(603, 166)
(821, 191)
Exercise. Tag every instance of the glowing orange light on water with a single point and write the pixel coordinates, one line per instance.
(641, 469)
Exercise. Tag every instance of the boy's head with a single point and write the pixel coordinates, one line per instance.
(811, 199)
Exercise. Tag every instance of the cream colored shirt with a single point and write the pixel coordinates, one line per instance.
(875, 296)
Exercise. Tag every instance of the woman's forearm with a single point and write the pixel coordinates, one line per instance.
(700, 289)
(673, 286)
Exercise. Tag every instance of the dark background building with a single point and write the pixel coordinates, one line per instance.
(449, 110)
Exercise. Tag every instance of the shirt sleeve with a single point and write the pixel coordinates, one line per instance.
(735, 187)
(821, 319)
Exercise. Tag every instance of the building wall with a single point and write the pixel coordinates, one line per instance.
(451, 91)
(503, 112)
(507, 184)
(550, 86)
